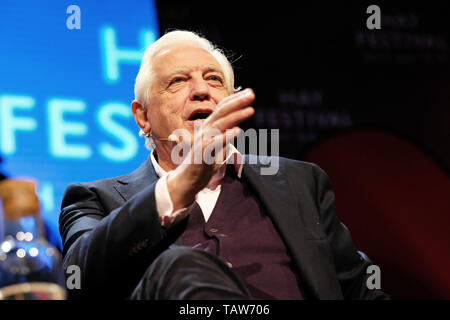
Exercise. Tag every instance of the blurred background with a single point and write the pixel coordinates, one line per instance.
(369, 106)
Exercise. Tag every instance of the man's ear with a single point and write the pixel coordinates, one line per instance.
(140, 115)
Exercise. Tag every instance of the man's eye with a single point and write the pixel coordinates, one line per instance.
(215, 78)
(176, 80)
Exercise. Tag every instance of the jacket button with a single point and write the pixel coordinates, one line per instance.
(229, 264)
(213, 230)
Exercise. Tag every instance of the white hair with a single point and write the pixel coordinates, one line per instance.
(145, 75)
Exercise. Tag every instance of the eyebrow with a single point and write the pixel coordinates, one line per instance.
(183, 71)
(214, 69)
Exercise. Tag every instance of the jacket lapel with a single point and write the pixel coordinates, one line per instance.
(128, 185)
(280, 202)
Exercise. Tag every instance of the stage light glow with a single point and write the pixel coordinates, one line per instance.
(66, 88)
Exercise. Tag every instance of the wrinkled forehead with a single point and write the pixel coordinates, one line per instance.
(184, 57)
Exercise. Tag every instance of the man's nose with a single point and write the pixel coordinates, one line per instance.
(199, 90)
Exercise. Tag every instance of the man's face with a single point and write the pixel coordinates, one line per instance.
(188, 84)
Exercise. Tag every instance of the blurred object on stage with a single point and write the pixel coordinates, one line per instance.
(30, 267)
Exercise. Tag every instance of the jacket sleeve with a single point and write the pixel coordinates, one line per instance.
(350, 264)
(112, 249)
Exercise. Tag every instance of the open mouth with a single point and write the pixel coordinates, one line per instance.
(200, 115)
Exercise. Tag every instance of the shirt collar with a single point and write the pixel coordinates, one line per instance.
(234, 157)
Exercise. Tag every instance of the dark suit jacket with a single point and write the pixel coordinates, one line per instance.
(111, 230)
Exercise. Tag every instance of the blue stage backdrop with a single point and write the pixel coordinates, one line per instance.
(66, 85)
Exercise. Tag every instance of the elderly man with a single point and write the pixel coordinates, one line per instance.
(202, 230)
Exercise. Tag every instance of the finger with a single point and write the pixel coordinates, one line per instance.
(225, 137)
(235, 95)
(215, 150)
(238, 101)
(233, 119)
(232, 103)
